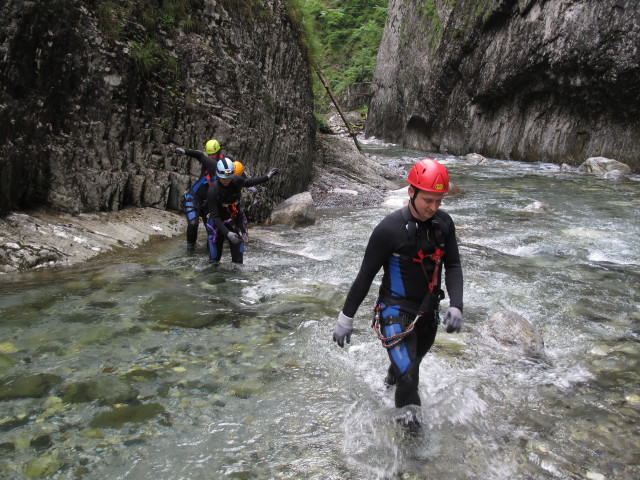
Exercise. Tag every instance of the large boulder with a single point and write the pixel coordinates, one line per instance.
(512, 332)
(296, 211)
(603, 165)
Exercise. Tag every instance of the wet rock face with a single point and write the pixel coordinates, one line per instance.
(84, 127)
(534, 80)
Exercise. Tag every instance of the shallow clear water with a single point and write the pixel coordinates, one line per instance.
(252, 387)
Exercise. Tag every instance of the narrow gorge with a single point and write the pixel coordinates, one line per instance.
(532, 80)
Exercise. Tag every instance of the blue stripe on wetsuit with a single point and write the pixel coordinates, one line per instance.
(190, 207)
(399, 353)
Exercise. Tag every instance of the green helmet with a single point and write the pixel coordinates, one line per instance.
(212, 146)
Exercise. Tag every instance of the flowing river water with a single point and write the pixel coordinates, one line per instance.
(234, 374)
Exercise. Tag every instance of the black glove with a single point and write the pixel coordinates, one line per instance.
(453, 319)
(234, 238)
(180, 150)
(343, 329)
(272, 173)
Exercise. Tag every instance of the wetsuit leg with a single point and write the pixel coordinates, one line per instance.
(191, 206)
(417, 344)
(237, 252)
(219, 246)
(214, 241)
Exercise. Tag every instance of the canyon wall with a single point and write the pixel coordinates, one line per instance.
(94, 94)
(532, 80)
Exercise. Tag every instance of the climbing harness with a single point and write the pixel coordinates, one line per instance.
(436, 257)
(394, 340)
(232, 209)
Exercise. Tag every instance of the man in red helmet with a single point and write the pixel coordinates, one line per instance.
(411, 244)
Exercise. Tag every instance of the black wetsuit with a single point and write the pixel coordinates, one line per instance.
(226, 214)
(405, 284)
(194, 199)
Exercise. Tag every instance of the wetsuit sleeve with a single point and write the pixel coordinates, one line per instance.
(252, 181)
(206, 162)
(453, 268)
(378, 250)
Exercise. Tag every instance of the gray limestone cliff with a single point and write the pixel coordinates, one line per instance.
(532, 80)
(94, 93)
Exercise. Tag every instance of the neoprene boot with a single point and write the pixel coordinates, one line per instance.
(191, 247)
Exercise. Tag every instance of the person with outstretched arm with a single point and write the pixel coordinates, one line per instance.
(194, 199)
(412, 245)
(225, 219)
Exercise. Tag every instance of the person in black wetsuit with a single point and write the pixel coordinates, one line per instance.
(225, 219)
(411, 244)
(194, 199)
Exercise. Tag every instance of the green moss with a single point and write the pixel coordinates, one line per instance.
(321, 123)
(429, 10)
(146, 25)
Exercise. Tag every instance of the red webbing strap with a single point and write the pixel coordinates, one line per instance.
(437, 259)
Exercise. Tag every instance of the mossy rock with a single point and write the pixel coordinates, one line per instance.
(32, 385)
(117, 417)
(43, 466)
(107, 390)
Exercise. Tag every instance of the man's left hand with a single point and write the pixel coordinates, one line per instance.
(272, 173)
(453, 319)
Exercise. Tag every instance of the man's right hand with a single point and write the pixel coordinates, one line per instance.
(180, 150)
(343, 329)
(234, 238)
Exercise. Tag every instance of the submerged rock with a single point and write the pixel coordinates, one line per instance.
(117, 417)
(454, 190)
(108, 390)
(513, 331)
(476, 158)
(28, 385)
(43, 466)
(6, 362)
(537, 207)
(615, 175)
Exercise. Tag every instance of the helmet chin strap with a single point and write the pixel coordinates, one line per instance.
(412, 199)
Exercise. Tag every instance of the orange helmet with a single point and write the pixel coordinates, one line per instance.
(238, 168)
(429, 175)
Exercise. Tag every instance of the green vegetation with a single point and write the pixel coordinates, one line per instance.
(344, 36)
(145, 25)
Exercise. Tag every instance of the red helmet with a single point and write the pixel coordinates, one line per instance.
(429, 175)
